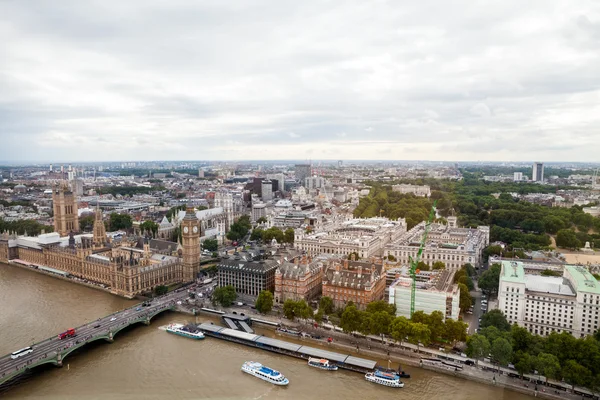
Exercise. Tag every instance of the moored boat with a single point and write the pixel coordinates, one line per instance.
(401, 373)
(188, 331)
(264, 373)
(288, 331)
(390, 379)
(321, 363)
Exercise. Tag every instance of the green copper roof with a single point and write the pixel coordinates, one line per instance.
(512, 271)
(584, 280)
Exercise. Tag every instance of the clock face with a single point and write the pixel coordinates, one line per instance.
(186, 229)
(195, 229)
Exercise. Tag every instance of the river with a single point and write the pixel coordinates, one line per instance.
(147, 363)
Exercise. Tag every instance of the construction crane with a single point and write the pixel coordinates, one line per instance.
(414, 262)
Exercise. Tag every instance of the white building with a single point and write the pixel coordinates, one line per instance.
(280, 178)
(267, 190)
(259, 210)
(446, 243)
(546, 304)
(518, 176)
(365, 236)
(422, 191)
(434, 292)
(314, 182)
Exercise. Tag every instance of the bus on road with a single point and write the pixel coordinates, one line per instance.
(21, 352)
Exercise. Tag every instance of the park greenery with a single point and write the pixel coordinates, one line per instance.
(296, 309)
(239, 228)
(224, 295)
(119, 221)
(490, 279)
(160, 290)
(149, 228)
(556, 356)
(267, 235)
(210, 245)
(264, 302)
(32, 227)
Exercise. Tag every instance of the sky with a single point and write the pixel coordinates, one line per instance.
(248, 80)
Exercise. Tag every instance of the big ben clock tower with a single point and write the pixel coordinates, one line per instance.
(190, 236)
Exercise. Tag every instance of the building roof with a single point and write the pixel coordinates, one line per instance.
(512, 271)
(584, 281)
(349, 276)
(548, 284)
(256, 267)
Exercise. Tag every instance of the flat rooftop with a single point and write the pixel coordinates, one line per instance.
(583, 279)
(512, 271)
(548, 284)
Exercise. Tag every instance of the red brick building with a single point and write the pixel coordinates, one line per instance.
(361, 282)
(298, 280)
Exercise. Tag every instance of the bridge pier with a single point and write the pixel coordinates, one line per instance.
(110, 338)
(59, 362)
(147, 321)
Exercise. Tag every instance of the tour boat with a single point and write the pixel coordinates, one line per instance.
(288, 331)
(385, 379)
(322, 364)
(188, 331)
(264, 373)
(401, 373)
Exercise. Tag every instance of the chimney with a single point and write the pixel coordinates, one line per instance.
(359, 271)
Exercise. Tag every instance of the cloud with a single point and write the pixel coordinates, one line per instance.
(269, 79)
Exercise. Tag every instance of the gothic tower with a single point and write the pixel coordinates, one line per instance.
(190, 237)
(64, 204)
(99, 229)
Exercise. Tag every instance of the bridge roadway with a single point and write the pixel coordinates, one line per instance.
(53, 350)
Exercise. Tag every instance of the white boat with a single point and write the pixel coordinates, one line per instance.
(385, 379)
(321, 363)
(188, 331)
(264, 373)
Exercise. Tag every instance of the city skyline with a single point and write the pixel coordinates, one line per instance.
(379, 81)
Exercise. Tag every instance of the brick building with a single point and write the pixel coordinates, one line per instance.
(298, 280)
(361, 282)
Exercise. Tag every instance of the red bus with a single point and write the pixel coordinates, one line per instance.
(66, 334)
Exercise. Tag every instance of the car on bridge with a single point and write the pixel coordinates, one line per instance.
(138, 309)
(97, 326)
(113, 319)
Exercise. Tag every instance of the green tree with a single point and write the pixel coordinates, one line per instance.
(296, 309)
(353, 255)
(160, 290)
(423, 266)
(419, 334)
(120, 221)
(523, 362)
(391, 258)
(521, 339)
(419, 316)
(501, 351)
(288, 236)
(495, 318)
(225, 295)
(494, 250)
(257, 234)
(455, 331)
(210, 245)
(490, 279)
(548, 272)
(381, 305)
(438, 265)
(264, 302)
(326, 305)
(399, 328)
(239, 229)
(567, 239)
(477, 347)
(288, 309)
(464, 301)
(148, 227)
(318, 317)
(468, 267)
(380, 323)
(86, 223)
(547, 365)
(436, 325)
(261, 220)
(575, 374)
(351, 319)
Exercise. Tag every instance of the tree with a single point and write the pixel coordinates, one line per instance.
(257, 234)
(264, 302)
(296, 309)
(318, 317)
(575, 374)
(455, 331)
(210, 245)
(353, 255)
(435, 322)
(490, 279)
(495, 318)
(261, 220)
(391, 258)
(464, 301)
(326, 305)
(288, 236)
(419, 316)
(468, 267)
(240, 228)
(467, 281)
(438, 265)
(225, 295)
(501, 351)
(148, 227)
(381, 305)
(351, 319)
(288, 309)
(120, 221)
(86, 223)
(567, 238)
(160, 290)
(422, 266)
(399, 328)
(380, 323)
(477, 346)
(547, 365)
(521, 339)
(523, 362)
(419, 333)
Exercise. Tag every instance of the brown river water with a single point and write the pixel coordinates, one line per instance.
(145, 362)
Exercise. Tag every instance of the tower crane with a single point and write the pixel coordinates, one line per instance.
(415, 261)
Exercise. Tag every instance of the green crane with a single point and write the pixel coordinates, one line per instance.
(415, 261)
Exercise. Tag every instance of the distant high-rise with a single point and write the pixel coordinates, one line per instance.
(518, 176)
(267, 190)
(340, 163)
(538, 172)
(302, 172)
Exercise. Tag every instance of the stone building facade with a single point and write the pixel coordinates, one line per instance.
(298, 280)
(361, 282)
(248, 277)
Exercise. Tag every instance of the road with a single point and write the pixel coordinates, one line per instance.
(51, 346)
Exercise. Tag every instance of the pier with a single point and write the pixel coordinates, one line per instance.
(344, 361)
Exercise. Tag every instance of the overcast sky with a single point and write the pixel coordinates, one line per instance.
(260, 79)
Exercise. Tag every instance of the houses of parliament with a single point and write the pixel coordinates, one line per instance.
(125, 267)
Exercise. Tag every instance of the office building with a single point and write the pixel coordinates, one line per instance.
(267, 190)
(538, 172)
(517, 176)
(259, 210)
(302, 171)
(314, 182)
(248, 277)
(300, 279)
(447, 243)
(546, 304)
(434, 291)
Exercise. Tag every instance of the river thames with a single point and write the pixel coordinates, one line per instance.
(147, 363)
